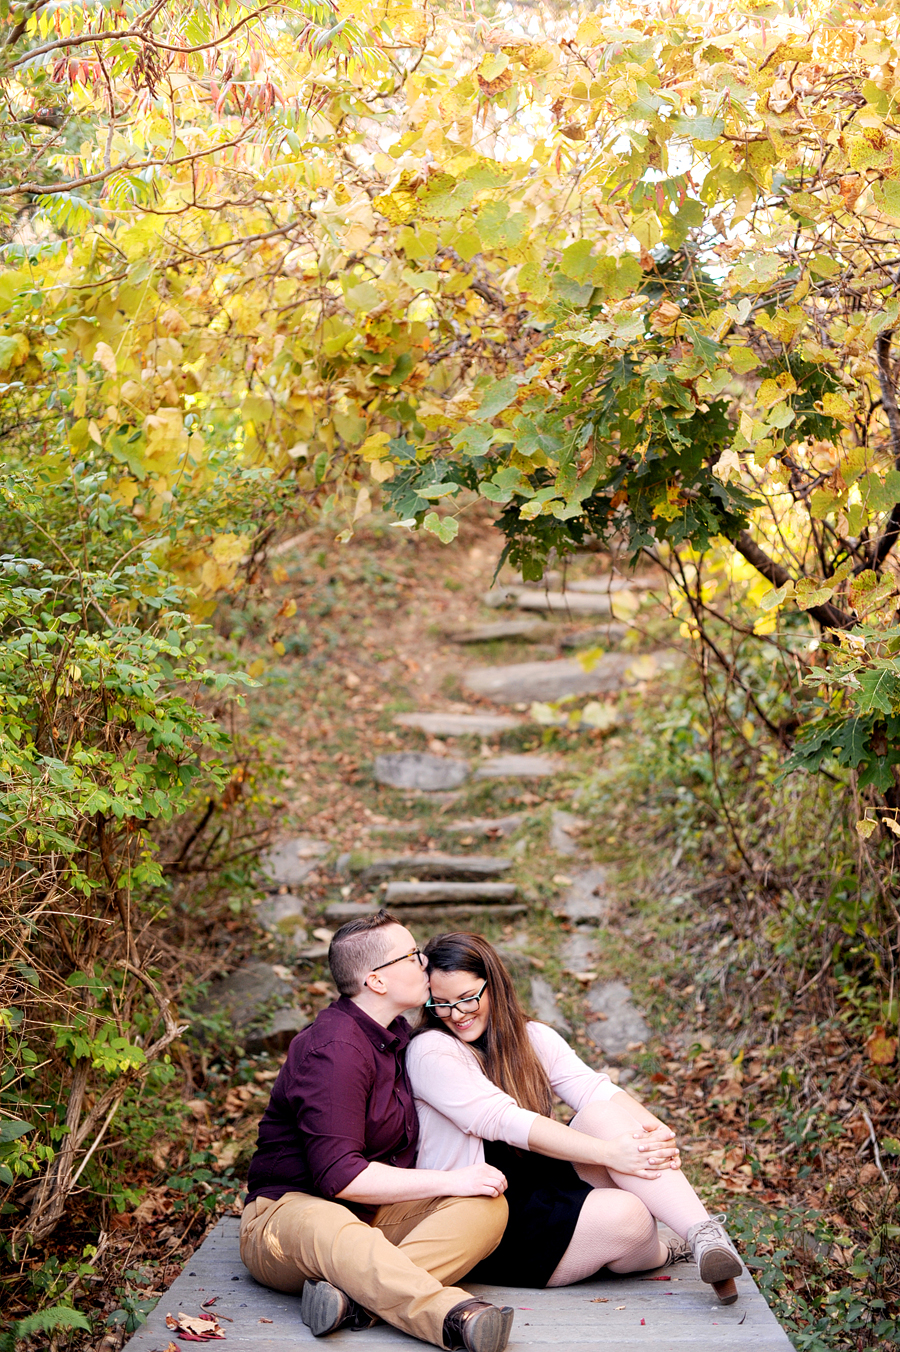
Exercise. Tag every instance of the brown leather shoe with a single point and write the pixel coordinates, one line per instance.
(325, 1309)
(478, 1327)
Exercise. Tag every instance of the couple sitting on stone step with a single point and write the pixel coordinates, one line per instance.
(392, 1164)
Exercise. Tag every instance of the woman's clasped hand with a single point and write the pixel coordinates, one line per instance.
(644, 1153)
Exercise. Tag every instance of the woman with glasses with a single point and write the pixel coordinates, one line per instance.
(580, 1197)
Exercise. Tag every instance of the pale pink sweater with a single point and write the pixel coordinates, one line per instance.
(459, 1107)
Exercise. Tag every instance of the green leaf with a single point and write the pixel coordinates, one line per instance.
(445, 528)
(11, 1130)
(776, 597)
(496, 398)
(880, 690)
(578, 260)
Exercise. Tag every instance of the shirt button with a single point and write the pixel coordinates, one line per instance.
(393, 1159)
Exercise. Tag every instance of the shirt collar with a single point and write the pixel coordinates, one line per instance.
(393, 1038)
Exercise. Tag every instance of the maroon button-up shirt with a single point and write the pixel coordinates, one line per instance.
(341, 1101)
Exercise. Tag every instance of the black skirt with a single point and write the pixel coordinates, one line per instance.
(545, 1198)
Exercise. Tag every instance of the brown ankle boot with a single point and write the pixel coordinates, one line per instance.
(325, 1309)
(478, 1327)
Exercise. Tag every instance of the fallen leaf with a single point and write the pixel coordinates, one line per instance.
(263, 1320)
(620, 1307)
(881, 1048)
(600, 1300)
(206, 1304)
(189, 1329)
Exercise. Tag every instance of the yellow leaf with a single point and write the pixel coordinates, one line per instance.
(106, 358)
(590, 32)
(363, 503)
(79, 403)
(230, 548)
(375, 446)
(256, 669)
(834, 405)
(381, 471)
(94, 432)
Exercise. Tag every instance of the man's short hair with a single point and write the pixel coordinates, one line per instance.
(357, 947)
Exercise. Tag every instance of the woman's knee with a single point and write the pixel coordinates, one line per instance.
(603, 1119)
(629, 1215)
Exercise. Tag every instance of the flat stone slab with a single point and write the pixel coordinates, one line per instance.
(567, 602)
(622, 1024)
(543, 1002)
(612, 582)
(462, 866)
(609, 634)
(284, 914)
(492, 827)
(564, 831)
(459, 725)
(341, 911)
(246, 997)
(292, 861)
(603, 1314)
(526, 765)
(418, 770)
(532, 631)
(420, 894)
(522, 682)
(586, 898)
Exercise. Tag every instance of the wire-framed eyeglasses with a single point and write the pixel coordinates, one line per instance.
(445, 1010)
(413, 953)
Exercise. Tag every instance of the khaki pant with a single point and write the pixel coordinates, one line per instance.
(401, 1267)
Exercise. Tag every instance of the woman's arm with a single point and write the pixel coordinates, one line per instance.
(379, 1184)
(628, 1154)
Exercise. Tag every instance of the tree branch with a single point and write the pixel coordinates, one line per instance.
(888, 538)
(827, 615)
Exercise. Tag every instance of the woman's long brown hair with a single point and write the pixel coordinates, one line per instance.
(504, 1049)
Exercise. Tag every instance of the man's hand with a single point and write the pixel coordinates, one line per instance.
(644, 1154)
(476, 1180)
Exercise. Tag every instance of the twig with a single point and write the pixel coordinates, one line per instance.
(875, 1151)
(97, 1139)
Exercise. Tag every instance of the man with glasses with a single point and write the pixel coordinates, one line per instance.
(335, 1206)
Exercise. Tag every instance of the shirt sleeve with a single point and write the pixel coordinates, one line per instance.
(328, 1089)
(574, 1082)
(446, 1075)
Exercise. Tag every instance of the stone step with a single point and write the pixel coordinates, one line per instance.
(532, 631)
(459, 725)
(608, 634)
(621, 1025)
(622, 1314)
(471, 866)
(613, 582)
(342, 911)
(522, 682)
(526, 765)
(492, 827)
(415, 894)
(419, 771)
(290, 862)
(567, 602)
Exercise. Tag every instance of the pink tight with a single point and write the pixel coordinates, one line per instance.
(617, 1224)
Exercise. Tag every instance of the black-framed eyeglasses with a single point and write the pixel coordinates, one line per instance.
(413, 953)
(445, 1011)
